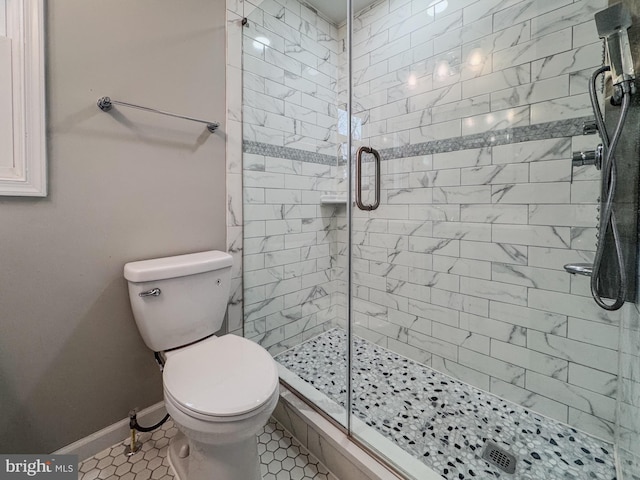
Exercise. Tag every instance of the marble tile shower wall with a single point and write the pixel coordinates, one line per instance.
(290, 61)
(461, 266)
(233, 132)
(290, 69)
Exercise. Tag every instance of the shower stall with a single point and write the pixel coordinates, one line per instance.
(415, 176)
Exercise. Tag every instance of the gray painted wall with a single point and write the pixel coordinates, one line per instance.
(123, 186)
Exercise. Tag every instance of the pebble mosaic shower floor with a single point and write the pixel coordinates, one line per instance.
(442, 421)
(281, 458)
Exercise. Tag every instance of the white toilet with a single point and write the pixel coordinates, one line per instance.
(220, 391)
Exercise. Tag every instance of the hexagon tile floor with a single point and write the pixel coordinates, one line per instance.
(281, 458)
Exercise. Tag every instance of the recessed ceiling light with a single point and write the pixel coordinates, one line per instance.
(260, 42)
(476, 58)
(437, 6)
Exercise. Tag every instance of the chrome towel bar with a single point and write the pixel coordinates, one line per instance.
(105, 104)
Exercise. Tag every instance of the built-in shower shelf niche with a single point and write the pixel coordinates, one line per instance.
(333, 199)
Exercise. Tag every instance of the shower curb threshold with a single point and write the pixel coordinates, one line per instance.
(337, 451)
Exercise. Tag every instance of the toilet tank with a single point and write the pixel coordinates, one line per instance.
(181, 299)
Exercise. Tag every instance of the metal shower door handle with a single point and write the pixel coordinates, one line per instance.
(376, 157)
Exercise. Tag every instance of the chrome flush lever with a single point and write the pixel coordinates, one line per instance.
(154, 292)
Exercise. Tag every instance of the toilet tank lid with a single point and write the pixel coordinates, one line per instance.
(176, 266)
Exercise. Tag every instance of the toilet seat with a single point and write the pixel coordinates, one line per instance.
(224, 376)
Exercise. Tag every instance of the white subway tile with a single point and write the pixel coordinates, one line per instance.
(404, 349)
(558, 192)
(409, 259)
(585, 192)
(591, 424)
(430, 278)
(529, 318)
(531, 93)
(534, 49)
(478, 10)
(493, 328)
(572, 305)
(445, 246)
(548, 365)
(462, 194)
(438, 96)
(494, 252)
(410, 196)
(463, 108)
(592, 379)
(463, 338)
(533, 151)
(594, 333)
(579, 398)
(556, 258)
(567, 16)
(581, 58)
(496, 213)
(433, 345)
(466, 374)
(574, 351)
(462, 158)
(541, 236)
(437, 131)
(435, 178)
(529, 399)
(254, 229)
(410, 321)
(496, 368)
(453, 36)
(551, 171)
(490, 290)
(525, 11)
(562, 215)
(494, 174)
(469, 231)
(457, 301)
(585, 33)
(531, 277)
(462, 266)
(561, 109)
(442, 212)
(496, 120)
(432, 312)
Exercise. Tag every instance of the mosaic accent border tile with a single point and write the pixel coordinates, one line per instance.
(288, 153)
(444, 422)
(542, 131)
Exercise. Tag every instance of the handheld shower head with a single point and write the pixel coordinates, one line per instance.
(612, 24)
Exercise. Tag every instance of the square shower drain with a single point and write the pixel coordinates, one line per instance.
(499, 458)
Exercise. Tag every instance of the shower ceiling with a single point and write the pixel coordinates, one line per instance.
(336, 10)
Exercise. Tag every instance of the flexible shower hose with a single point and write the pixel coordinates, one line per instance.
(609, 180)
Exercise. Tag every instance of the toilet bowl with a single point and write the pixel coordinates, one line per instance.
(220, 411)
(219, 390)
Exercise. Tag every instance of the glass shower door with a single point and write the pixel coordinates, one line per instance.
(294, 203)
(464, 321)
(452, 291)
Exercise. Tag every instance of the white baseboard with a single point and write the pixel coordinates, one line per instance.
(88, 446)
